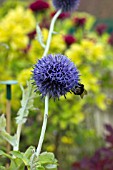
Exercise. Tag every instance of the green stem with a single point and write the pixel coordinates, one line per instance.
(38, 150)
(51, 31)
(47, 96)
(43, 126)
(19, 128)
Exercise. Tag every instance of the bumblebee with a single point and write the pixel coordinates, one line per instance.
(79, 90)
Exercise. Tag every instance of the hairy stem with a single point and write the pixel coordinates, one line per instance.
(43, 126)
(51, 31)
(19, 128)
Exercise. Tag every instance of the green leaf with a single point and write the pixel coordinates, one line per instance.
(11, 139)
(2, 153)
(40, 167)
(21, 156)
(28, 96)
(2, 122)
(47, 158)
(16, 164)
(51, 166)
(17, 154)
(40, 36)
(2, 168)
(29, 152)
(44, 159)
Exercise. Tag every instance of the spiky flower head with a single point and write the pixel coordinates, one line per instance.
(55, 75)
(66, 5)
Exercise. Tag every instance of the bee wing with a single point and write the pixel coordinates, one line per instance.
(84, 93)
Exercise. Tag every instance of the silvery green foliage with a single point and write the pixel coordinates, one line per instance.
(28, 96)
(46, 160)
(18, 159)
(3, 134)
(40, 36)
(2, 122)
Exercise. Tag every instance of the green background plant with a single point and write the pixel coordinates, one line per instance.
(92, 55)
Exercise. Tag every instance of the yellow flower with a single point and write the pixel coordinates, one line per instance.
(98, 52)
(24, 76)
(50, 148)
(75, 53)
(15, 26)
(100, 100)
(88, 79)
(66, 140)
(93, 51)
(35, 52)
(57, 44)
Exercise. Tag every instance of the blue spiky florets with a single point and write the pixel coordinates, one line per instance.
(66, 5)
(55, 75)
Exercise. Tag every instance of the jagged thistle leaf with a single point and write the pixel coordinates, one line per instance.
(51, 167)
(11, 139)
(2, 153)
(40, 36)
(46, 160)
(28, 96)
(2, 122)
(3, 134)
(29, 152)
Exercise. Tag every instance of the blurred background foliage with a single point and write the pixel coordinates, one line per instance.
(71, 132)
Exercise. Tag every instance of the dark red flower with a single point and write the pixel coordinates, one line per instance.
(101, 28)
(110, 40)
(32, 35)
(25, 50)
(79, 22)
(39, 5)
(62, 16)
(69, 39)
(76, 166)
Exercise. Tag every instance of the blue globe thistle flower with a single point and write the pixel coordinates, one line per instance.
(55, 75)
(66, 5)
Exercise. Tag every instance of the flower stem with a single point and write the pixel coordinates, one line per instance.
(19, 128)
(43, 126)
(51, 31)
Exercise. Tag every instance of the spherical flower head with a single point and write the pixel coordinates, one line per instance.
(39, 5)
(66, 5)
(55, 75)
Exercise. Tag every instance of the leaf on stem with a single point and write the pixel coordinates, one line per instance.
(46, 160)
(28, 96)
(40, 36)
(4, 134)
